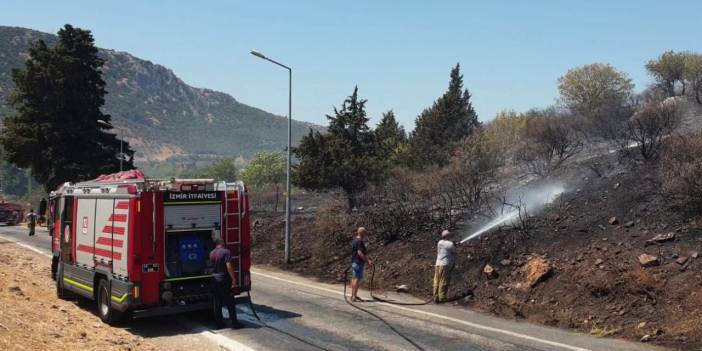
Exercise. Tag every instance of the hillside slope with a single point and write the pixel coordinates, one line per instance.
(160, 114)
(614, 256)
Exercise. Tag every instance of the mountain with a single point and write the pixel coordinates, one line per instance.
(159, 114)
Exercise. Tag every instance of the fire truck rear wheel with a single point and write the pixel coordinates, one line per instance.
(107, 314)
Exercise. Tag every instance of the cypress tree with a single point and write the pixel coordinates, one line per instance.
(441, 128)
(345, 157)
(389, 130)
(391, 138)
(58, 97)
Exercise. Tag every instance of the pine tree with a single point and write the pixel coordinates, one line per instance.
(58, 97)
(345, 157)
(441, 128)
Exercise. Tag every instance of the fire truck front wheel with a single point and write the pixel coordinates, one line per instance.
(107, 314)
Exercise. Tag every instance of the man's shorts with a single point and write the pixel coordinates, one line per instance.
(357, 269)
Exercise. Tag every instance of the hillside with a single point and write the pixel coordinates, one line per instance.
(159, 114)
(613, 256)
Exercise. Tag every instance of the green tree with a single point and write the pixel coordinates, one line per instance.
(668, 70)
(443, 126)
(502, 134)
(13, 181)
(58, 97)
(266, 169)
(391, 138)
(220, 170)
(601, 94)
(693, 75)
(345, 157)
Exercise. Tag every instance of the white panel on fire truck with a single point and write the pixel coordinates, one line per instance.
(121, 237)
(85, 232)
(104, 228)
(192, 216)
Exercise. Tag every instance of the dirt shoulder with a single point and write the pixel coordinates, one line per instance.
(32, 318)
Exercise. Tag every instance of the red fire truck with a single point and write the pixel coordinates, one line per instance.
(11, 213)
(140, 247)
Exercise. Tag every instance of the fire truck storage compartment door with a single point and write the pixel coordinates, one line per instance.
(111, 233)
(192, 216)
(120, 236)
(85, 232)
(187, 252)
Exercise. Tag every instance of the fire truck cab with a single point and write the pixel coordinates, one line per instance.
(140, 247)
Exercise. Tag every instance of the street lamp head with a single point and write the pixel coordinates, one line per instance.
(104, 123)
(258, 54)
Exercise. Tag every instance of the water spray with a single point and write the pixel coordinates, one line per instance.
(529, 200)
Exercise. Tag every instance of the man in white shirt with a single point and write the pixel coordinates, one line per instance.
(446, 251)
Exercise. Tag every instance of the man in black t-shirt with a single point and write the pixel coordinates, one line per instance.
(358, 261)
(223, 281)
(31, 221)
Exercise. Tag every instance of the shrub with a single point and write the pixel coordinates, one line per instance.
(682, 169)
(646, 130)
(549, 140)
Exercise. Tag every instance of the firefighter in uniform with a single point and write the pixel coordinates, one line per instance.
(31, 221)
(223, 281)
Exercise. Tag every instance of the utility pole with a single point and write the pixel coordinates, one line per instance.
(29, 181)
(289, 151)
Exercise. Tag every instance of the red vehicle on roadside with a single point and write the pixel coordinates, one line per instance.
(11, 213)
(140, 247)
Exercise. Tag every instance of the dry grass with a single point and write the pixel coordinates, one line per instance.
(603, 332)
(32, 318)
(645, 280)
(682, 168)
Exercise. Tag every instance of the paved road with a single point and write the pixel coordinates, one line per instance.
(313, 316)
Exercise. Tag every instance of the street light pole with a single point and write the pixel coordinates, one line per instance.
(121, 154)
(289, 151)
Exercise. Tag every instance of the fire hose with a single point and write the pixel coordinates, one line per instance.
(373, 314)
(266, 325)
(426, 302)
(346, 275)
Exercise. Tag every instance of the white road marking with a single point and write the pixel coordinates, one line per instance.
(434, 315)
(28, 247)
(221, 340)
(233, 345)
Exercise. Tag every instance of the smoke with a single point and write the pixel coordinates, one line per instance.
(524, 201)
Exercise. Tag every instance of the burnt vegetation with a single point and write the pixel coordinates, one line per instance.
(629, 165)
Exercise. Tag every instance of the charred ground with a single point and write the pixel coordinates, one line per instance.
(577, 265)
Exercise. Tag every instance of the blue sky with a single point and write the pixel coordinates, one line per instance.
(399, 53)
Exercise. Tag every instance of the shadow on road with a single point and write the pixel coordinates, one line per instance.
(269, 313)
